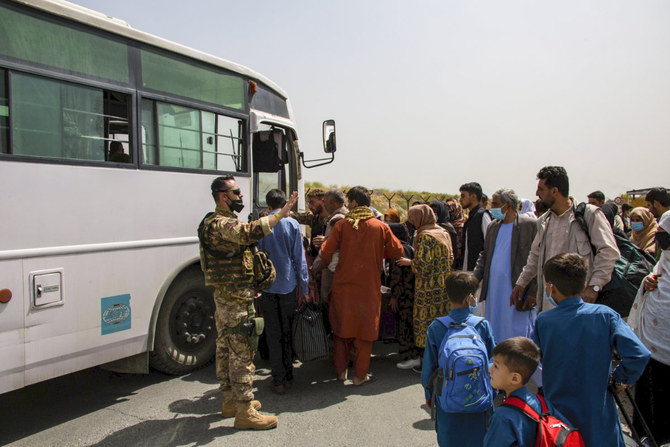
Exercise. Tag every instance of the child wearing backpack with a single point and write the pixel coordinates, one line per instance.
(455, 367)
(523, 417)
(577, 341)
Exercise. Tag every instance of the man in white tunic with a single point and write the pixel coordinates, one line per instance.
(506, 247)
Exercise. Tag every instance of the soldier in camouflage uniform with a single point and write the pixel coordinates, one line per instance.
(228, 266)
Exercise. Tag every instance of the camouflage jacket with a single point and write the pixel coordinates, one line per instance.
(226, 261)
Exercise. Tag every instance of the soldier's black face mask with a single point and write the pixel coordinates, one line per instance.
(235, 205)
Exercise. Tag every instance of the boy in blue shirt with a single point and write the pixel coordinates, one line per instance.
(514, 361)
(456, 429)
(577, 340)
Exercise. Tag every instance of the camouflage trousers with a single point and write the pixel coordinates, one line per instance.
(234, 358)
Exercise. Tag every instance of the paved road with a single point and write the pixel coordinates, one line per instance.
(100, 408)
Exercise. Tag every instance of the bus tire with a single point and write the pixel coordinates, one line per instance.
(185, 329)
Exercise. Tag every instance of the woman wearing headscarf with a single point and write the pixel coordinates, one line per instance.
(391, 216)
(433, 257)
(441, 211)
(644, 228)
(650, 319)
(457, 219)
(527, 208)
(401, 283)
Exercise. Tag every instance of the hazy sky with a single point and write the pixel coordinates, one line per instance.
(430, 95)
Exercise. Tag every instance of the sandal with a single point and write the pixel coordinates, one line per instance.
(368, 379)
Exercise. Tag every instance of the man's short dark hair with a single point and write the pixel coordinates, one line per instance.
(472, 188)
(661, 195)
(485, 198)
(275, 198)
(360, 194)
(556, 177)
(597, 195)
(459, 285)
(626, 207)
(519, 355)
(567, 272)
(317, 193)
(219, 184)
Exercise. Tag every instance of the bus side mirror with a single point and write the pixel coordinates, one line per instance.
(329, 145)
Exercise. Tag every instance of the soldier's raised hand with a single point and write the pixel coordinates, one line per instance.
(286, 210)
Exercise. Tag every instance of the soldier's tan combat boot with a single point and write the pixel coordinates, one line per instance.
(247, 417)
(229, 408)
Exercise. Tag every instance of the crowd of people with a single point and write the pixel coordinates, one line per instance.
(526, 276)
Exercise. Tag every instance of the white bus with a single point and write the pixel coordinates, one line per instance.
(109, 140)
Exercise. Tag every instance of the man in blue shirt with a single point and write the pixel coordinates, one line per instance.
(279, 302)
(577, 340)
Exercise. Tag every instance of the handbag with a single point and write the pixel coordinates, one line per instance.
(629, 270)
(310, 341)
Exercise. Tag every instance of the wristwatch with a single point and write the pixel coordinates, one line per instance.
(596, 288)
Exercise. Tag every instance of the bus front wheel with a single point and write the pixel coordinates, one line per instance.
(185, 330)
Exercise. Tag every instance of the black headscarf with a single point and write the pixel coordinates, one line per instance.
(441, 211)
(400, 231)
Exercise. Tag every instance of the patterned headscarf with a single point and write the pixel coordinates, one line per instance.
(456, 214)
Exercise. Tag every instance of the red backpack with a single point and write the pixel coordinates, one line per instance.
(551, 431)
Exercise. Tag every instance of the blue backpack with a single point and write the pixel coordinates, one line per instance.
(461, 383)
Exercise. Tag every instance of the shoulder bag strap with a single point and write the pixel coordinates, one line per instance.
(519, 404)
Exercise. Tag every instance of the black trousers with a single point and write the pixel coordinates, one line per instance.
(278, 311)
(652, 394)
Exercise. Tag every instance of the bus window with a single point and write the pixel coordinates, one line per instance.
(4, 114)
(231, 153)
(171, 75)
(62, 120)
(266, 182)
(183, 137)
(62, 46)
(118, 139)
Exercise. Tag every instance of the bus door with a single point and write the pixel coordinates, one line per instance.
(270, 159)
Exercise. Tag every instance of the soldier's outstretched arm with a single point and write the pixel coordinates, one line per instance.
(249, 233)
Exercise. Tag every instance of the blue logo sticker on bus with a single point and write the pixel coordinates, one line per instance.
(115, 314)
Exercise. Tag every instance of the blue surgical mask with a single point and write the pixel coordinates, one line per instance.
(472, 308)
(497, 213)
(637, 226)
(549, 298)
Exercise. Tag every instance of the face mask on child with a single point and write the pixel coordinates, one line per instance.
(472, 303)
(637, 226)
(548, 295)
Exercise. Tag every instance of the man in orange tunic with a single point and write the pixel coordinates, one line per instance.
(356, 296)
